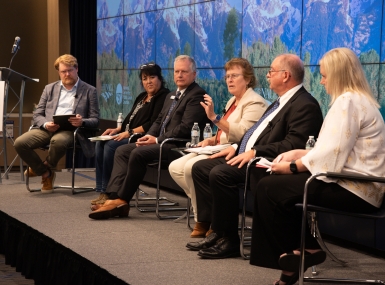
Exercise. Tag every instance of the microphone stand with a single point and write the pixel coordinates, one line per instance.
(17, 49)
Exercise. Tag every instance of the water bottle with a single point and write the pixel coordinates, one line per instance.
(207, 132)
(119, 121)
(310, 143)
(195, 132)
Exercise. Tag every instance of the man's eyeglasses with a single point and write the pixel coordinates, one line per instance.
(272, 70)
(150, 64)
(232, 76)
(63, 72)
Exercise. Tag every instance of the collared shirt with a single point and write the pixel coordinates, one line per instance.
(282, 102)
(66, 99)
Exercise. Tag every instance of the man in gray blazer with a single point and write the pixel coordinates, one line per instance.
(180, 110)
(69, 95)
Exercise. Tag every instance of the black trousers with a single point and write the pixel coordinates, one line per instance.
(130, 166)
(217, 192)
(277, 222)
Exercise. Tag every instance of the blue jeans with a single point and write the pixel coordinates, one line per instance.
(104, 154)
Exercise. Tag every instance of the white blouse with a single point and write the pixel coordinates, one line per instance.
(352, 138)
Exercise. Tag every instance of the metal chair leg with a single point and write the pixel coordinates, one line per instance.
(313, 222)
(149, 207)
(245, 241)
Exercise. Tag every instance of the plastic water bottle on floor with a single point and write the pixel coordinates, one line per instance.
(207, 132)
(310, 143)
(119, 121)
(195, 132)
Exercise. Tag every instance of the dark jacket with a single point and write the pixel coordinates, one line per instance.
(148, 113)
(187, 111)
(300, 118)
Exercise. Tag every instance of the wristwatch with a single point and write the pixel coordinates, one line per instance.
(217, 119)
(293, 167)
(130, 132)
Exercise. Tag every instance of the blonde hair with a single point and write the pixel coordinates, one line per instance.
(247, 70)
(66, 59)
(345, 74)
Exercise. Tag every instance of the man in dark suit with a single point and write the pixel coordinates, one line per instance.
(285, 125)
(181, 109)
(69, 95)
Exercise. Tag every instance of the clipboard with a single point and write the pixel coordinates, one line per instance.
(62, 121)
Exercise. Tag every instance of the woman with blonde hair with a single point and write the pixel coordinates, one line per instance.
(351, 140)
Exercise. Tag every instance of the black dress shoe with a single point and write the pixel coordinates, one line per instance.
(205, 243)
(222, 249)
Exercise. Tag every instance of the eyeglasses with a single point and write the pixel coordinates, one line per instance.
(150, 64)
(272, 70)
(63, 72)
(232, 76)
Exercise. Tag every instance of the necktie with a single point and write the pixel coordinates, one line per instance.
(173, 104)
(255, 126)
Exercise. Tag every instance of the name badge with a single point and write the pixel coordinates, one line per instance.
(172, 97)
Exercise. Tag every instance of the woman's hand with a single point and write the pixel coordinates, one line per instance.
(281, 168)
(290, 155)
(206, 142)
(110, 132)
(208, 105)
(121, 136)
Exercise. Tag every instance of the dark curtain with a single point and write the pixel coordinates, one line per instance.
(83, 46)
(47, 262)
(83, 37)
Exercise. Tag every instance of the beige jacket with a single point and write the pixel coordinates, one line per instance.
(250, 108)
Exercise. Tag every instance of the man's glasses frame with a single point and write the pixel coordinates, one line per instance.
(272, 70)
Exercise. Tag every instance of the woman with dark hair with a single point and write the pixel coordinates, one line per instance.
(145, 110)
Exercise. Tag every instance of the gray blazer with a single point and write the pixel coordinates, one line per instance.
(86, 104)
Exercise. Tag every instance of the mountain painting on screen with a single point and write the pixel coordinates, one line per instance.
(341, 23)
(132, 32)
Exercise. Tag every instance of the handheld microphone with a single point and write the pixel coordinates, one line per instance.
(15, 46)
(189, 145)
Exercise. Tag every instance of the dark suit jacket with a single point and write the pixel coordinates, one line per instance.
(86, 104)
(300, 118)
(147, 115)
(187, 111)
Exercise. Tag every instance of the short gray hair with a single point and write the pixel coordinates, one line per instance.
(189, 58)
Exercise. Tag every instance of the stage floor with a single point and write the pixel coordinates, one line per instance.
(142, 249)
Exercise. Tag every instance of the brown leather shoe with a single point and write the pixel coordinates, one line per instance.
(48, 183)
(30, 172)
(96, 207)
(111, 208)
(209, 232)
(200, 230)
(100, 200)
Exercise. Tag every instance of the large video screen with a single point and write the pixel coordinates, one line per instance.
(134, 32)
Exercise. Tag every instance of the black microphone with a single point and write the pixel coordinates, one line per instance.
(269, 124)
(15, 46)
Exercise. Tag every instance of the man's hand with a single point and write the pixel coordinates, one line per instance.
(227, 152)
(51, 127)
(242, 158)
(76, 121)
(146, 140)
